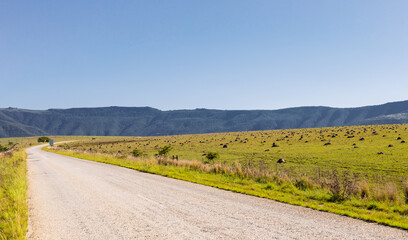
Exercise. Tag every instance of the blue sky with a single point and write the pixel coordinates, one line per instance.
(202, 54)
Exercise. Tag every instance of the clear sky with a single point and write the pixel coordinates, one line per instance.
(214, 54)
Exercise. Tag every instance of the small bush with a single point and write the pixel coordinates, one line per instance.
(43, 139)
(137, 153)
(65, 146)
(211, 156)
(341, 187)
(163, 151)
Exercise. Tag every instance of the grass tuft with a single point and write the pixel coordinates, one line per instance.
(364, 189)
(405, 190)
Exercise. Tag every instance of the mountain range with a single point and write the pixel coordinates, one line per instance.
(146, 121)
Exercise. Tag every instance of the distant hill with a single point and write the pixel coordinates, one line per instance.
(146, 121)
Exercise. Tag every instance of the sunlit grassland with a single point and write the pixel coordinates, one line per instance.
(305, 154)
(368, 163)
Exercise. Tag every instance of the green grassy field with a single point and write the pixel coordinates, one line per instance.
(358, 171)
(305, 150)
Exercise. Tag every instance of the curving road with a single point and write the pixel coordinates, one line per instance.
(71, 198)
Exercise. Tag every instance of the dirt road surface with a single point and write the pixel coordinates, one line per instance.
(71, 198)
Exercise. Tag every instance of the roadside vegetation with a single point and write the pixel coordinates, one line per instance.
(359, 171)
(13, 185)
(43, 139)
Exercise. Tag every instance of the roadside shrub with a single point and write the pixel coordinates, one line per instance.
(137, 153)
(2, 148)
(43, 139)
(341, 187)
(65, 146)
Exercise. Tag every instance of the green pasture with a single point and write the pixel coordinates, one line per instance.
(378, 153)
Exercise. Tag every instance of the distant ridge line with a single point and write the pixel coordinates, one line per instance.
(148, 121)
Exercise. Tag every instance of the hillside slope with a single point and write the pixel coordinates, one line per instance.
(146, 121)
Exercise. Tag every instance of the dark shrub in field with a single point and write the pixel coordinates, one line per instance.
(3, 148)
(137, 153)
(163, 151)
(211, 156)
(43, 139)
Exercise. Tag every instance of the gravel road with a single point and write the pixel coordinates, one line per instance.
(70, 198)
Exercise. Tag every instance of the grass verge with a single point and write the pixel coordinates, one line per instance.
(13, 184)
(13, 195)
(389, 212)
